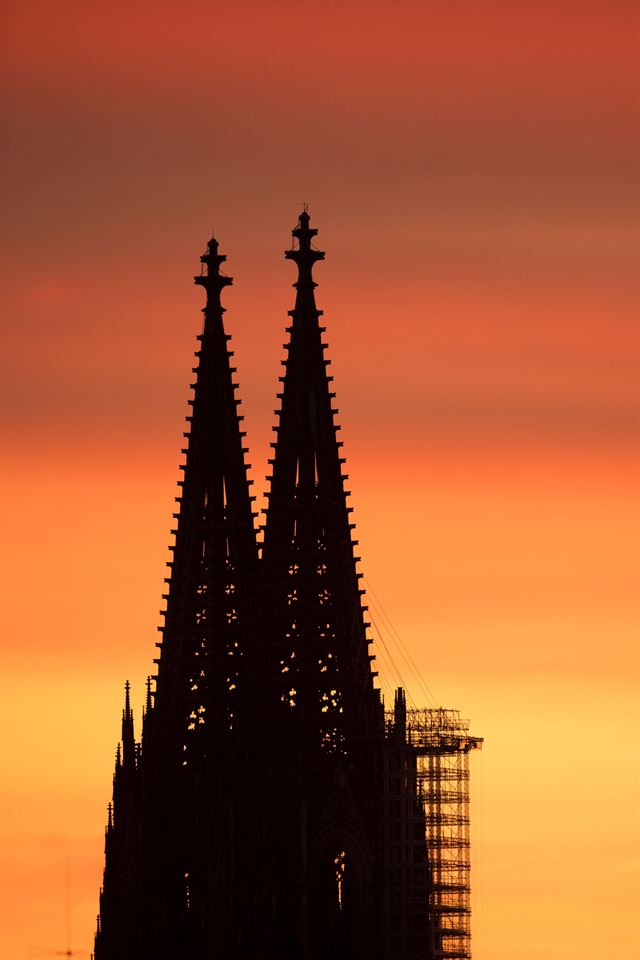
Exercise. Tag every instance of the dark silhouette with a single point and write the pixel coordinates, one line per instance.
(271, 809)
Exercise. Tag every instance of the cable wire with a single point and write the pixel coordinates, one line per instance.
(404, 651)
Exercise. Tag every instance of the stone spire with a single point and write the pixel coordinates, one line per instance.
(160, 880)
(319, 664)
(215, 553)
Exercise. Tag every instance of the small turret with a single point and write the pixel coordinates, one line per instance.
(148, 703)
(128, 738)
(400, 712)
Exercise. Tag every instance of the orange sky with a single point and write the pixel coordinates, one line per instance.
(472, 167)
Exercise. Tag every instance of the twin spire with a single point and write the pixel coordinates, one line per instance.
(288, 628)
(263, 658)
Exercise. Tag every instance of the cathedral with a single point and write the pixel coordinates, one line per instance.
(272, 808)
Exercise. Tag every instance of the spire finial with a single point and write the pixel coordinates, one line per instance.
(213, 281)
(304, 256)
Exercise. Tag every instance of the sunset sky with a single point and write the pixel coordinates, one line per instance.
(473, 170)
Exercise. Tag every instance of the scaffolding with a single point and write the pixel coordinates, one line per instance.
(442, 744)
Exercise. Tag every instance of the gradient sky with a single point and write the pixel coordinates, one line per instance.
(473, 170)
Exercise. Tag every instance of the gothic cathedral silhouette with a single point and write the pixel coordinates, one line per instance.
(272, 809)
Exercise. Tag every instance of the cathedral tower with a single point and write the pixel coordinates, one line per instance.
(272, 809)
(170, 849)
(323, 715)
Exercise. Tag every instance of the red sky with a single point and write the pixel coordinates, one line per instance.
(472, 168)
